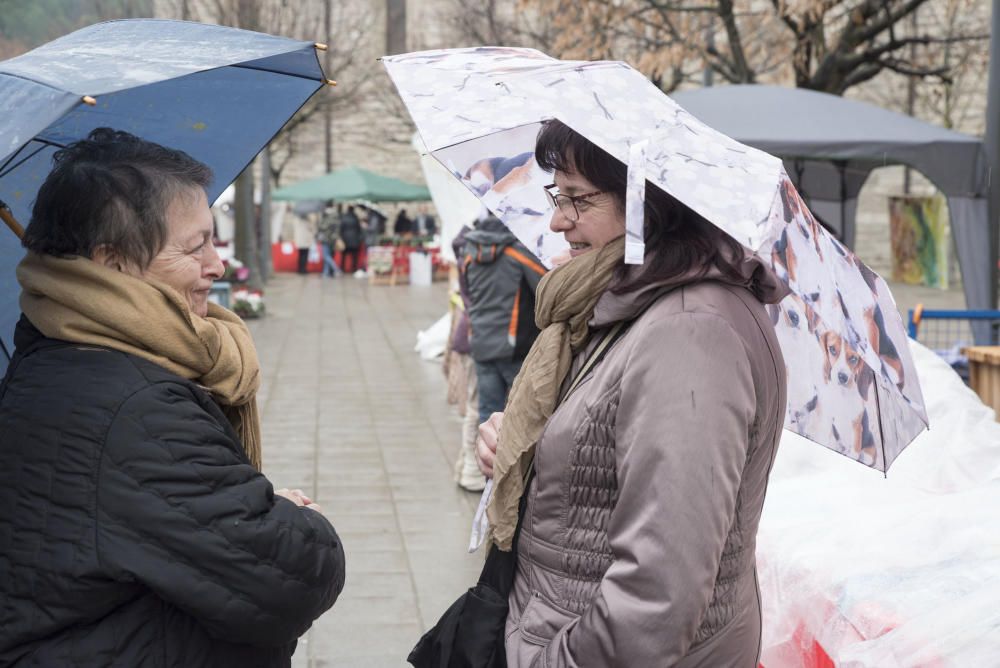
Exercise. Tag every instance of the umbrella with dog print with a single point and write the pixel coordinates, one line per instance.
(852, 385)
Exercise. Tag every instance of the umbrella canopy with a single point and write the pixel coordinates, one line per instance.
(219, 94)
(353, 183)
(852, 384)
(831, 144)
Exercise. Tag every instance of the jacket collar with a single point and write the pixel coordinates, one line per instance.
(753, 274)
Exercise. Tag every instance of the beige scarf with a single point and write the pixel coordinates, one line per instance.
(564, 304)
(78, 300)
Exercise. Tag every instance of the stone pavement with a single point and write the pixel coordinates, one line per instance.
(353, 416)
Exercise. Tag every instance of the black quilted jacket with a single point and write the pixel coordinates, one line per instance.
(133, 530)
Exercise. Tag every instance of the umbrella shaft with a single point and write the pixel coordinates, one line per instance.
(12, 223)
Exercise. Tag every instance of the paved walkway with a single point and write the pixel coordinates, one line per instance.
(354, 416)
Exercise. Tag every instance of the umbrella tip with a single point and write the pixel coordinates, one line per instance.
(321, 46)
(330, 82)
(89, 100)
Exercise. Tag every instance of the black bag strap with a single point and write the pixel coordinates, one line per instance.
(500, 567)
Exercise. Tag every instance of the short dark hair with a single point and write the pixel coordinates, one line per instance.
(111, 189)
(678, 240)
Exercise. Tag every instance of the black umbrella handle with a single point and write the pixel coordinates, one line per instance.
(8, 218)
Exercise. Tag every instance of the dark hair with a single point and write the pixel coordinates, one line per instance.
(678, 240)
(111, 189)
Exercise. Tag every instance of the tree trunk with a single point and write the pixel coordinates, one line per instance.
(264, 239)
(328, 108)
(246, 227)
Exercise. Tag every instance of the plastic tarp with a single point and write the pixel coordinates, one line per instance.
(888, 572)
(431, 342)
(830, 144)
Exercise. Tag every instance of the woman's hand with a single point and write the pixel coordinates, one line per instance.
(486, 444)
(299, 498)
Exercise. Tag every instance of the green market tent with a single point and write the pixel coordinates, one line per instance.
(353, 183)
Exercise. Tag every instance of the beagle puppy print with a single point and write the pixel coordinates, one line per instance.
(795, 325)
(845, 351)
(501, 175)
(845, 398)
(841, 364)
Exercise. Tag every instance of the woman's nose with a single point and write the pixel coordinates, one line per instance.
(559, 222)
(213, 263)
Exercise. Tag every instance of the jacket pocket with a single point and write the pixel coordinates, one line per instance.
(542, 620)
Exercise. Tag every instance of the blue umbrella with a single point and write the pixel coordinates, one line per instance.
(219, 94)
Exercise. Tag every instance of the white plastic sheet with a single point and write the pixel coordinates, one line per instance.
(432, 341)
(885, 572)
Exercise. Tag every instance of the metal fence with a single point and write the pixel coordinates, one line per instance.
(947, 332)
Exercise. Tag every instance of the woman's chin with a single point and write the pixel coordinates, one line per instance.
(199, 307)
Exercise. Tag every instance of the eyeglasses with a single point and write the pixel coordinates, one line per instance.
(567, 203)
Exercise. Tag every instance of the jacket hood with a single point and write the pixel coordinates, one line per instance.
(753, 274)
(488, 240)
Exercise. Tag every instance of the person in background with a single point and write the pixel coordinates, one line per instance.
(304, 231)
(424, 223)
(467, 473)
(351, 236)
(403, 226)
(327, 234)
(500, 277)
(374, 226)
(136, 527)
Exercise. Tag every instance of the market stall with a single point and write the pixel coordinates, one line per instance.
(354, 184)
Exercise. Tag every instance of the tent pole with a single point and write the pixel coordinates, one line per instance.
(992, 145)
(841, 166)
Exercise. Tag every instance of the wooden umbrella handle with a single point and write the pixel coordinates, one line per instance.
(12, 223)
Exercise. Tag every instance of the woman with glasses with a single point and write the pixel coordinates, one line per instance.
(643, 486)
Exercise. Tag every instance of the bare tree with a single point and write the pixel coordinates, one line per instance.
(500, 23)
(352, 25)
(955, 100)
(120, 9)
(342, 58)
(826, 45)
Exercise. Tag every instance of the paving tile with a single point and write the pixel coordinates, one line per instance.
(352, 415)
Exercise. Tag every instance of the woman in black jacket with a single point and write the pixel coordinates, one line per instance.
(135, 526)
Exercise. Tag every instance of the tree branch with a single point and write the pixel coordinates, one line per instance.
(742, 68)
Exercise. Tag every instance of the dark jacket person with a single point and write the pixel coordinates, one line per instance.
(135, 526)
(500, 276)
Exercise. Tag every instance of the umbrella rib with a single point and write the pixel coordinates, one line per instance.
(15, 75)
(3, 347)
(286, 74)
(5, 171)
(881, 427)
(12, 157)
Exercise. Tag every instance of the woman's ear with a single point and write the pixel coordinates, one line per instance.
(107, 256)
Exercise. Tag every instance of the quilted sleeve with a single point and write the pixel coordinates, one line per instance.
(181, 513)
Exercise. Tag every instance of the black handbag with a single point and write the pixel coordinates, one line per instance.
(470, 633)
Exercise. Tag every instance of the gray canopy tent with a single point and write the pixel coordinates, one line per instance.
(830, 144)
